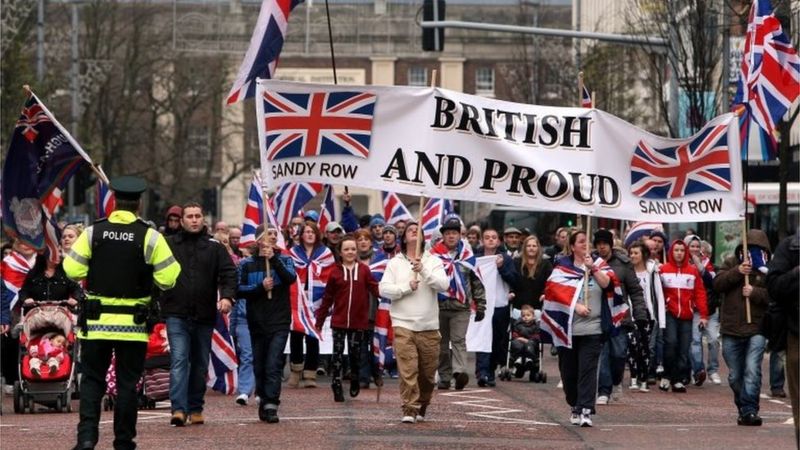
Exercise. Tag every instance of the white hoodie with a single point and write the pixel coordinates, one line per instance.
(414, 310)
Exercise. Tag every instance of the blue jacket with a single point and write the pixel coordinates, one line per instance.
(267, 315)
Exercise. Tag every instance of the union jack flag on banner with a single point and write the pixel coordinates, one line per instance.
(432, 215)
(586, 98)
(41, 159)
(769, 80)
(265, 48)
(303, 312)
(222, 365)
(700, 164)
(393, 208)
(290, 199)
(326, 212)
(104, 199)
(316, 124)
(562, 292)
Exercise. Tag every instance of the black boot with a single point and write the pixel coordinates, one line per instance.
(272, 416)
(338, 394)
(355, 388)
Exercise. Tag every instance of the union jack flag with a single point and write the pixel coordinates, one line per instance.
(383, 337)
(326, 212)
(13, 270)
(586, 98)
(464, 258)
(700, 164)
(769, 80)
(290, 199)
(393, 208)
(265, 48)
(253, 214)
(319, 123)
(432, 215)
(562, 292)
(639, 230)
(303, 319)
(222, 365)
(313, 271)
(105, 202)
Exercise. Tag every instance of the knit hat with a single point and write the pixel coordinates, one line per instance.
(603, 235)
(390, 229)
(174, 210)
(376, 220)
(312, 216)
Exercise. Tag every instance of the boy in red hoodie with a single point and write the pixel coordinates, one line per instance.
(684, 293)
(348, 291)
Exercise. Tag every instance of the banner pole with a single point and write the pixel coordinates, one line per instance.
(746, 257)
(265, 221)
(586, 274)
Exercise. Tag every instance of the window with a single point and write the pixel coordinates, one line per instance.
(484, 81)
(417, 76)
(199, 147)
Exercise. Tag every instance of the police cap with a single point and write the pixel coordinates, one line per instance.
(128, 188)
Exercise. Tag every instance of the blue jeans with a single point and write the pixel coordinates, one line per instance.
(777, 377)
(486, 363)
(711, 333)
(190, 348)
(656, 348)
(268, 361)
(743, 355)
(677, 342)
(244, 349)
(368, 363)
(612, 363)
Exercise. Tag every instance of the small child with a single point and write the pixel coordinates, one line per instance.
(525, 335)
(49, 348)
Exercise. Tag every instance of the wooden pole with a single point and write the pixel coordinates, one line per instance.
(420, 234)
(586, 275)
(265, 221)
(746, 257)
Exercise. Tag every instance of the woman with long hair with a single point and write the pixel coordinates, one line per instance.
(534, 270)
(313, 262)
(639, 356)
(47, 281)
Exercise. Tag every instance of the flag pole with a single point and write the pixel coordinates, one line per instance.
(420, 234)
(745, 251)
(579, 219)
(264, 236)
(586, 272)
(330, 40)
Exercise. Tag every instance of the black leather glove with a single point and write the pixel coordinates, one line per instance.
(479, 315)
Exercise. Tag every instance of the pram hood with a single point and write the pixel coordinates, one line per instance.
(47, 318)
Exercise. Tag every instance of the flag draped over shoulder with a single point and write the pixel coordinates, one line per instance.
(222, 365)
(13, 270)
(265, 48)
(41, 159)
(562, 292)
(452, 267)
(312, 276)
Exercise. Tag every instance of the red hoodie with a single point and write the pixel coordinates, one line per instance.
(348, 290)
(683, 286)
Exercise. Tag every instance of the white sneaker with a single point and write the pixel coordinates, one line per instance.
(643, 387)
(408, 419)
(715, 378)
(560, 385)
(659, 370)
(678, 387)
(586, 418)
(8, 389)
(419, 419)
(616, 394)
(602, 400)
(664, 385)
(634, 384)
(242, 399)
(575, 419)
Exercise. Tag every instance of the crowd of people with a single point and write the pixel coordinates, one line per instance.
(681, 309)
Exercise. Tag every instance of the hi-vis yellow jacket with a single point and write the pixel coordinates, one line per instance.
(157, 253)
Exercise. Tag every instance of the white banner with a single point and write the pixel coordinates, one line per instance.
(441, 143)
(479, 334)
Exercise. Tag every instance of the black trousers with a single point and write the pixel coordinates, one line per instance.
(354, 339)
(311, 361)
(578, 367)
(96, 357)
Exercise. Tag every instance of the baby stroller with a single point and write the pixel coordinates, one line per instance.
(532, 365)
(154, 385)
(50, 388)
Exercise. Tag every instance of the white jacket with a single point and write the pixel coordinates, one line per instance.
(414, 310)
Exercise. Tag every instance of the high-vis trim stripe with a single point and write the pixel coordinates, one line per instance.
(164, 264)
(78, 258)
(151, 246)
(117, 328)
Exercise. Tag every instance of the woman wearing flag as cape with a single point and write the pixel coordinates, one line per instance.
(577, 325)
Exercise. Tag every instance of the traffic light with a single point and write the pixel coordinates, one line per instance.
(433, 38)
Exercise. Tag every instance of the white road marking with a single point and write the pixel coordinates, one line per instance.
(489, 411)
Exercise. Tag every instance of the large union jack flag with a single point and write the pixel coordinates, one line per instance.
(104, 198)
(699, 165)
(394, 209)
(769, 80)
(222, 364)
(290, 199)
(319, 123)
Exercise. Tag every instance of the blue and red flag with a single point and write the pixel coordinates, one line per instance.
(586, 98)
(290, 199)
(222, 365)
(105, 202)
(700, 164)
(640, 230)
(313, 271)
(303, 318)
(453, 265)
(433, 214)
(13, 270)
(265, 48)
(393, 208)
(326, 212)
(769, 79)
(253, 214)
(41, 159)
(383, 337)
(318, 123)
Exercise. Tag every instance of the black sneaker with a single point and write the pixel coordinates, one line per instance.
(491, 382)
(461, 380)
(338, 394)
(749, 420)
(700, 378)
(355, 388)
(483, 381)
(262, 413)
(272, 415)
(443, 385)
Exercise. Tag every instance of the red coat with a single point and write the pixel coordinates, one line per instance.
(348, 291)
(683, 287)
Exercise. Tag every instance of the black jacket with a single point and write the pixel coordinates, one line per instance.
(528, 290)
(266, 315)
(56, 288)
(206, 270)
(631, 289)
(783, 280)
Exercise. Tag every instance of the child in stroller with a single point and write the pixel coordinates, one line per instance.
(50, 348)
(525, 344)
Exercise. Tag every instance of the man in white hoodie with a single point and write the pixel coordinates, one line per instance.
(411, 281)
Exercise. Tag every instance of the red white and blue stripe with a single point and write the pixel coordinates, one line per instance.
(433, 214)
(313, 272)
(222, 365)
(13, 270)
(383, 337)
(253, 214)
(326, 212)
(640, 230)
(290, 199)
(303, 319)
(105, 202)
(453, 265)
(769, 79)
(393, 208)
(586, 98)
(265, 48)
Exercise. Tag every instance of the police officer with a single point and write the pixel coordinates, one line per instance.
(120, 258)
